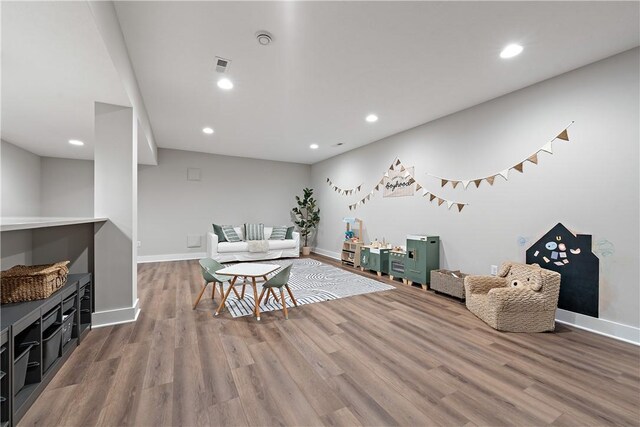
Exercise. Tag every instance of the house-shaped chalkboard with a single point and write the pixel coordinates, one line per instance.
(570, 255)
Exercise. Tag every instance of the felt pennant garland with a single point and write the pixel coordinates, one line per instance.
(397, 166)
(533, 158)
(342, 191)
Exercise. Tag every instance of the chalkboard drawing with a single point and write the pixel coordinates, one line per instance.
(570, 255)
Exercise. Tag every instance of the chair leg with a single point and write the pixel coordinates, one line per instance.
(291, 295)
(244, 286)
(195, 304)
(213, 291)
(284, 304)
(261, 295)
(225, 296)
(273, 294)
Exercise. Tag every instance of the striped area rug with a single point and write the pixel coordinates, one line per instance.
(310, 281)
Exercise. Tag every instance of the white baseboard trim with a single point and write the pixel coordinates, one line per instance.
(334, 255)
(599, 326)
(171, 257)
(116, 317)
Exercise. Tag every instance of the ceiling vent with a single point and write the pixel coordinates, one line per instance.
(264, 38)
(222, 64)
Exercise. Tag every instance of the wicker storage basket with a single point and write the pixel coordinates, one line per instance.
(445, 282)
(28, 283)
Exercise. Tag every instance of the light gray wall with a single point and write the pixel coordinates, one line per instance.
(116, 183)
(589, 184)
(232, 190)
(66, 187)
(20, 181)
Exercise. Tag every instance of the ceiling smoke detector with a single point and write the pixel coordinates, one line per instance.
(264, 38)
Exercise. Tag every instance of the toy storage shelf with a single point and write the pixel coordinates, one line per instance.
(37, 338)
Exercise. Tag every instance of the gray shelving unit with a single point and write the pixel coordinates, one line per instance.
(33, 348)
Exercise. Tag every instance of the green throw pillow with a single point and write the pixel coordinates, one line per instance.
(278, 233)
(254, 232)
(218, 230)
(289, 234)
(230, 234)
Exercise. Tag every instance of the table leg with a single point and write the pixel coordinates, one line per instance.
(224, 298)
(255, 297)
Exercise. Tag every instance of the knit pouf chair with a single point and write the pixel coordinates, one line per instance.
(521, 298)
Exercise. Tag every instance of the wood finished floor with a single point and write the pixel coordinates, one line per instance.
(404, 357)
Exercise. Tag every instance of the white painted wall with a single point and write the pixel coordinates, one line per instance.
(116, 183)
(232, 190)
(66, 187)
(20, 181)
(589, 184)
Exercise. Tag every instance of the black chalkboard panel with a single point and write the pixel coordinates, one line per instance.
(570, 255)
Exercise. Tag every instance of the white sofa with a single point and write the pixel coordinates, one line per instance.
(239, 251)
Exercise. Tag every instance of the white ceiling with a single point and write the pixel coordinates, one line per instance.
(332, 63)
(54, 66)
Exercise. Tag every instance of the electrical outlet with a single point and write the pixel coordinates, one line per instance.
(139, 243)
(494, 270)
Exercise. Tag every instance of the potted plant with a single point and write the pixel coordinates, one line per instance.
(307, 217)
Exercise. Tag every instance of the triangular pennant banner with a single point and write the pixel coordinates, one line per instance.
(455, 183)
(424, 192)
(377, 186)
(444, 182)
(465, 184)
(477, 182)
(460, 206)
(490, 179)
(548, 147)
(505, 174)
(358, 187)
(402, 169)
(418, 187)
(449, 204)
(563, 135)
(350, 207)
(518, 167)
(386, 174)
(328, 180)
(533, 158)
(397, 162)
(440, 201)
(431, 197)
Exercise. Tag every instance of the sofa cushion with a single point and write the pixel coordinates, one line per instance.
(218, 230)
(282, 244)
(254, 231)
(233, 247)
(230, 234)
(278, 233)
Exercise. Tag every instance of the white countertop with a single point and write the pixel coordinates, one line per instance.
(27, 223)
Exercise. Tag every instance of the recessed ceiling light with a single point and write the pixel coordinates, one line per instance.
(225, 84)
(208, 131)
(510, 51)
(371, 118)
(76, 142)
(314, 146)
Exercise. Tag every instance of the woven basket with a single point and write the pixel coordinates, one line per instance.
(29, 283)
(445, 282)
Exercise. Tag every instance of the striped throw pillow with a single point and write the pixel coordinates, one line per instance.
(230, 234)
(278, 233)
(254, 231)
